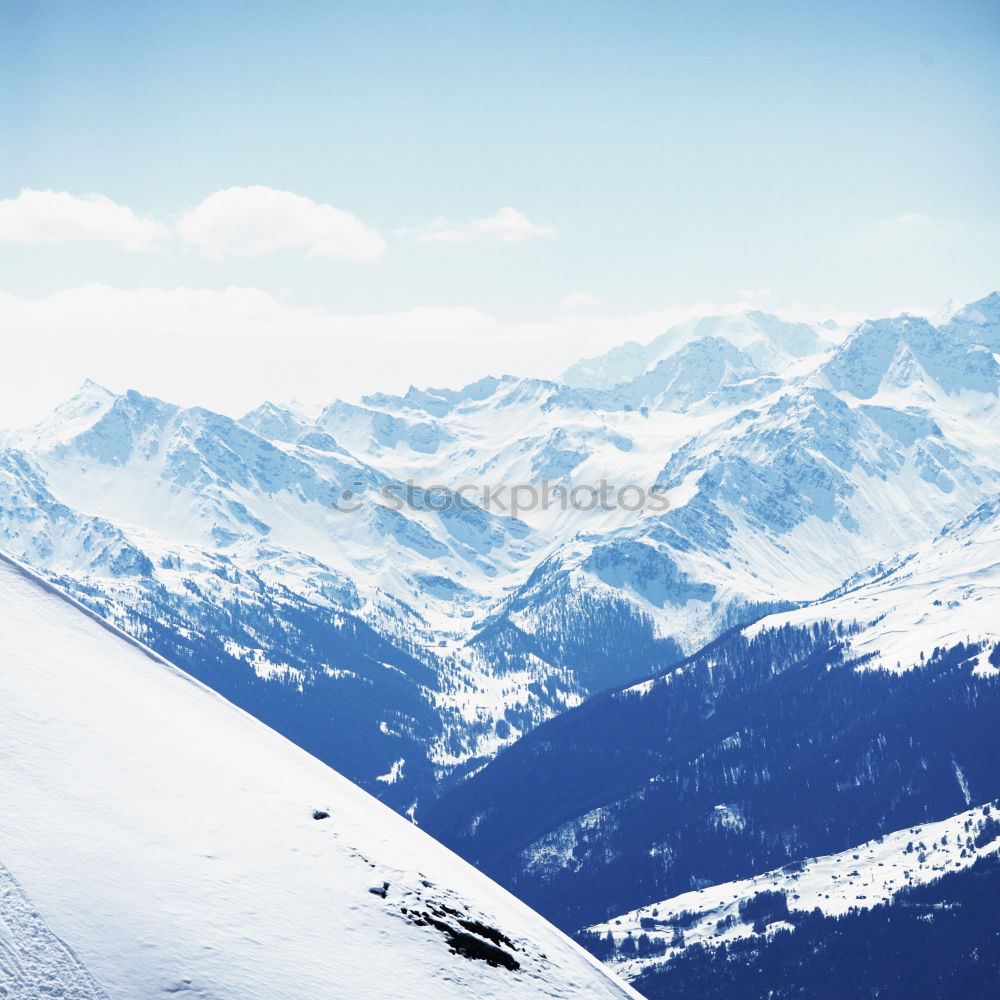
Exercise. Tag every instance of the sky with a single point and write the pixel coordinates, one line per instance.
(221, 202)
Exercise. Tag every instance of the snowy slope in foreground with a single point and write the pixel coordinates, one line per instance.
(859, 879)
(156, 840)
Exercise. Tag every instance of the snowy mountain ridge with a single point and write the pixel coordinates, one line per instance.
(944, 593)
(771, 342)
(181, 525)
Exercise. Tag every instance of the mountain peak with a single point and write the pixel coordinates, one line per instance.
(979, 322)
(904, 350)
(693, 373)
(276, 423)
(90, 386)
(772, 343)
(71, 417)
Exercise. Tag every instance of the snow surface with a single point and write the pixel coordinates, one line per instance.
(858, 878)
(945, 592)
(157, 841)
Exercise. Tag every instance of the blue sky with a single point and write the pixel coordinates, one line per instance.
(823, 156)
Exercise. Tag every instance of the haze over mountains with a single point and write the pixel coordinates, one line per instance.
(769, 341)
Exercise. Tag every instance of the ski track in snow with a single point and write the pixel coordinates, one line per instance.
(35, 962)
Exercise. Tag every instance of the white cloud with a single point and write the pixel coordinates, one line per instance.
(60, 217)
(756, 293)
(507, 226)
(240, 222)
(913, 219)
(438, 230)
(229, 350)
(576, 299)
(903, 229)
(255, 220)
(512, 226)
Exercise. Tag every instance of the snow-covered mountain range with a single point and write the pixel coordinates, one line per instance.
(158, 841)
(303, 563)
(800, 736)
